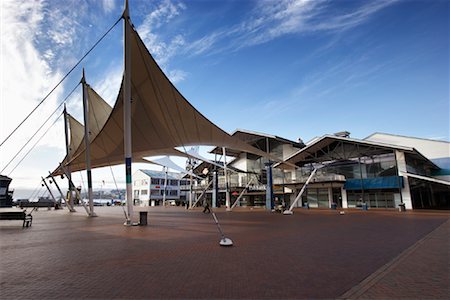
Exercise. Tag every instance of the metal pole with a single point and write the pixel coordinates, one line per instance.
(190, 184)
(165, 186)
(215, 191)
(227, 191)
(202, 194)
(127, 112)
(61, 193)
(88, 146)
(269, 186)
(51, 194)
(289, 212)
(242, 194)
(69, 200)
(76, 191)
(215, 184)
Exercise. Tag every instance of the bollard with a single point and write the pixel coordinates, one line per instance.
(142, 218)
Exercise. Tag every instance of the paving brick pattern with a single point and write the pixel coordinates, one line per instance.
(312, 254)
(422, 271)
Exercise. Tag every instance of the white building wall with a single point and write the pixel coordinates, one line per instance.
(401, 164)
(288, 150)
(240, 162)
(344, 198)
(141, 181)
(330, 196)
(431, 149)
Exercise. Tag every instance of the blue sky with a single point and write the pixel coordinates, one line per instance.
(288, 68)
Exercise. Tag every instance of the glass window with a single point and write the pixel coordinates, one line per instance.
(143, 192)
(390, 200)
(352, 199)
(381, 200)
(372, 200)
(155, 180)
(155, 192)
(312, 198)
(322, 197)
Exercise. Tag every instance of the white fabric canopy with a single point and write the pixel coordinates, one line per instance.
(76, 134)
(168, 163)
(162, 119)
(197, 155)
(99, 111)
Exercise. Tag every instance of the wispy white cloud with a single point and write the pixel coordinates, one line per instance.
(163, 14)
(274, 18)
(26, 74)
(267, 21)
(39, 42)
(108, 5)
(108, 87)
(163, 50)
(205, 43)
(177, 75)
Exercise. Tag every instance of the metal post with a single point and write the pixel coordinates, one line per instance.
(190, 168)
(61, 193)
(76, 191)
(88, 146)
(69, 200)
(242, 194)
(269, 186)
(51, 194)
(227, 190)
(127, 112)
(165, 186)
(289, 212)
(215, 189)
(202, 194)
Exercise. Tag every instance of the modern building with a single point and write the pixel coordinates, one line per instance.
(243, 167)
(382, 171)
(436, 151)
(150, 186)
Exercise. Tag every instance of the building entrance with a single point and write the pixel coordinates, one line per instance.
(337, 196)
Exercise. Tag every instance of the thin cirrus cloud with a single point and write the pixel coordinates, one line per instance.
(108, 5)
(41, 40)
(162, 50)
(273, 19)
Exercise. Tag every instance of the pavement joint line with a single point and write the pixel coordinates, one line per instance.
(359, 289)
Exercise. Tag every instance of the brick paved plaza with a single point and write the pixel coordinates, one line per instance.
(312, 254)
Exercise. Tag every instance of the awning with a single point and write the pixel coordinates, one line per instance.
(162, 119)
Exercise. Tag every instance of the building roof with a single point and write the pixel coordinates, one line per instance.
(252, 138)
(199, 169)
(405, 136)
(435, 150)
(316, 151)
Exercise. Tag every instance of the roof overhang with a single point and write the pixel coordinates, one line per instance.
(426, 178)
(252, 138)
(317, 151)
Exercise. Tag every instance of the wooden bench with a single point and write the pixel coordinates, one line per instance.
(14, 214)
